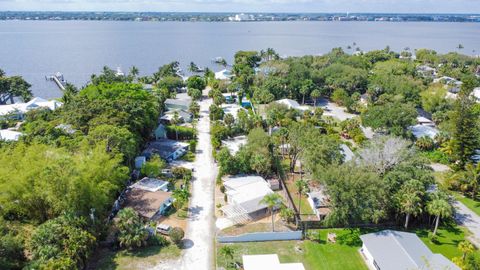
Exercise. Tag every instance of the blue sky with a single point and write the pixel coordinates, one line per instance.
(403, 6)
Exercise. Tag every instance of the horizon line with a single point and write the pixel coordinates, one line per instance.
(239, 12)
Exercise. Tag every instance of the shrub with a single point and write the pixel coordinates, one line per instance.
(176, 235)
(425, 143)
(222, 188)
(350, 238)
(157, 240)
(184, 133)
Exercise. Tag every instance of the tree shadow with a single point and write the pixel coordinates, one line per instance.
(187, 244)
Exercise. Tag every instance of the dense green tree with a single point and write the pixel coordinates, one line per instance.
(356, 195)
(14, 86)
(131, 230)
(62, 238)
(176, 235)
(153, 167)
(392, 117)
(196, 82)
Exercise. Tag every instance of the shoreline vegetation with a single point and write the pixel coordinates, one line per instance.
(235, 17)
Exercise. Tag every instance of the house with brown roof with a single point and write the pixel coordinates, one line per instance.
(148, 203)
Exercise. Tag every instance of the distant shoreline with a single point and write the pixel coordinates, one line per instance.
(232, 17)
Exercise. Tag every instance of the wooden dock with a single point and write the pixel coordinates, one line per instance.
(58, 79)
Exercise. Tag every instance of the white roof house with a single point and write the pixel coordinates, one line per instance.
(424, 131)
(21, 108)
(234, 144)
(395, 250)
(244, 194)
(292, 104)
(151, 184)
(9, 135)
(268, 262)
(232, 109)
(223, 75)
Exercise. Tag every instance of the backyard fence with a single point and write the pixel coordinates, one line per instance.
(261, 236)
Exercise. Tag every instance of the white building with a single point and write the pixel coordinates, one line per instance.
(234, 144)
(9, 135)
(18, 110)
(292, 104)
(268, 262)
(244, 196)
(395, 250)
(223, 75)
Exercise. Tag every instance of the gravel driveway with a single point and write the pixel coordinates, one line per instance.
(199, 236)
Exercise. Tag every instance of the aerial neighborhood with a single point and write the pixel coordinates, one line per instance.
(346, 160)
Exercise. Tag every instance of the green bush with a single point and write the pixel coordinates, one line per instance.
(436, 156)
(157, 240)
(184, 133)
(176, 235)
(350, 237)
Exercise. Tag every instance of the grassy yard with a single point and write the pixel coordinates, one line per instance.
(313, 255)
(448, 239)
(141, 259)
(469, 202)
(304, 205)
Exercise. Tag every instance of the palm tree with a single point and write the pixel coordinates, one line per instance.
(301, 185)
(272, 200)
(465, 247)
(227, 252)
(410, 199)
(131, 229)
(175, 121)
(439, 207)
(134, 71)
(180, 196)
(315, 94)
(472, 175)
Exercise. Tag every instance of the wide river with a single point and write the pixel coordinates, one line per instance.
(34, 49)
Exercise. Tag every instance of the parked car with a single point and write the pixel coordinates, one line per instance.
(163, 229)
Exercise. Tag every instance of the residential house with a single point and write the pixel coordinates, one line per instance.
(149, 197)
(181, 102)
(395, 250)
(183, 116)
(292, 104)
(232, 109)
(244, 196)
(167, 149)
(148, 204)
(223, 75)
(268, 262)
(427, 71)
(9, 135)
(234, 144)
(18, 110)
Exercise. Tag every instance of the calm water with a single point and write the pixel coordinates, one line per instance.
(80, 48)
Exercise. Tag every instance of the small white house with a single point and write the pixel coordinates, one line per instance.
(9, 135)
(18, 110)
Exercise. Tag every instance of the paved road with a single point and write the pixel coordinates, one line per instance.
(469, 219)
(199, 236)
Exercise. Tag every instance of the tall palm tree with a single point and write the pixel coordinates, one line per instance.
(134, 71)
(227, 252)
(439, 207)
(315, 94)
(301, 186)
(272, 200)
(180, 196)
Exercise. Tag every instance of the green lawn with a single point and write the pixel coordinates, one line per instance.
(469, 202)
(313, 255)
(131, 260)
(448, 239)
(304, 205)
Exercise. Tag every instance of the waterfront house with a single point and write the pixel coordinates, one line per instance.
(9, 135)
(18, 110)
(223, 75)
(395, 250)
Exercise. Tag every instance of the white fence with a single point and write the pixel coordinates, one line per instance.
(261, 236)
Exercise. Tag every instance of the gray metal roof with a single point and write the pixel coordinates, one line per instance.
(395, 250)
